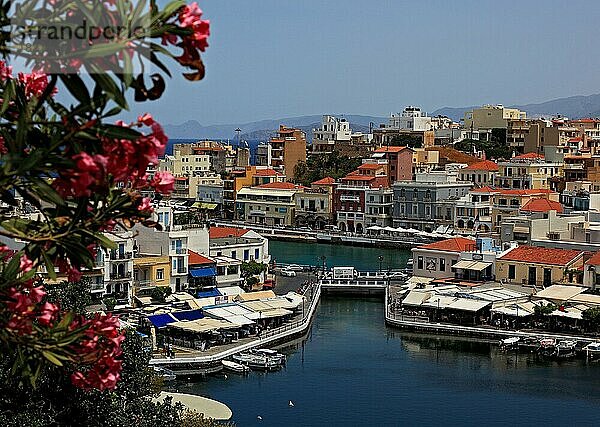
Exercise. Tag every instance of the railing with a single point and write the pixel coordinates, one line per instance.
(116, 276)
(120, 255)
(180, 251)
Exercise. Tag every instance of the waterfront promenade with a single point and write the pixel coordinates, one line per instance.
(297, 326)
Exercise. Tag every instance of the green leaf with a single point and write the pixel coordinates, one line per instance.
(76, 87)
(51, 357)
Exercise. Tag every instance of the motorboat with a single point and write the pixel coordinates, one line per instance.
(509, 343)
(235, 367)
(592, 350)
(272, 354)
(566, 348)
(165, 374)
(257, 361)
(547, 347)
(529, 343)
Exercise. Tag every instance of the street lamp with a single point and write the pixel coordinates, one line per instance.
(380, 258)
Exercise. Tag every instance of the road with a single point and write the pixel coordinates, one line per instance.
(286, 284)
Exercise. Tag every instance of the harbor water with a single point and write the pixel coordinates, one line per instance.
(353, 370)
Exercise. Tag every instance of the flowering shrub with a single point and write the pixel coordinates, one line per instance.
(81, 170)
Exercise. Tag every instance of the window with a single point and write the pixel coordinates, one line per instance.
(511, 272)
(160, 274)
(246, 254)
(420, 263)
(442, 264)
(256, 253)
(234, 254)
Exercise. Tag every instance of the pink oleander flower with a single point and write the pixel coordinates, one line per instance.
(191, 17)
(146, 205)
(3, 149)
(163, 182)
(35, 83)
(25, 264)
(5, 71)
(48, 314)
(74, 275)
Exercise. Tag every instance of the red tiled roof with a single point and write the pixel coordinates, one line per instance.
(456, 244)
(390, 149)
(281, 186)
(486, 165)
(267, 172)
(587, 120)
(529, 156)
(578, 139)
(370, 166)
(325, 181)
(594, 260)
(356, 177)
(195, 258)
(542, 205)
(220, 232)
(539, 255)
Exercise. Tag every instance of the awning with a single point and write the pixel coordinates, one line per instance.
(161, 320)
(203, 205)
(203, 272)
(472, 265)
(211, 293)
(188, 315)
(204, 325)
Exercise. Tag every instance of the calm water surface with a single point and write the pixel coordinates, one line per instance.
(353, 370)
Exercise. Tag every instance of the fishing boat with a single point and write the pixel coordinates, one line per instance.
(257, 361)
(509, 343)
(565, 349)
(166, 374)
(235, 367)
(592, 350)
(547, 347)
(529, 344)
(272, 354)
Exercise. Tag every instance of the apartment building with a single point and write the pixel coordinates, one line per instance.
(480, 122)
(270, 204)
(284, 151)
(529, 171)
(314, 206)
(399, 162)
(429, 201)
(332, 132)
(480, 174)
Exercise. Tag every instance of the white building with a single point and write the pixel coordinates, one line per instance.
(412, 119)
(332, 130)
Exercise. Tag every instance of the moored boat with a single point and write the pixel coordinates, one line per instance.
(166, 374)
(592, 350)
(257, 361)
(235, 367)
(547, 347)
(509, 343)
(566, 348)
(272, 354)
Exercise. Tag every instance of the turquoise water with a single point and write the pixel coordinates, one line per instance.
(338, 255)
(352, 370)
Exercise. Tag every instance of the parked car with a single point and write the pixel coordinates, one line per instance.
(295, 267)
(288, 273)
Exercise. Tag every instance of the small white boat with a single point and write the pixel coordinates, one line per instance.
(592, 350)
(166, 374)
(547, 347)
(509, 342)
(565, 348)
(235, 367)
(258, 361)
(272, 354)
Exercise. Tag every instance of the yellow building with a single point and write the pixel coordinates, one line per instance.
(491, 117)
(150, 271)
(539, 267)
(528, 171)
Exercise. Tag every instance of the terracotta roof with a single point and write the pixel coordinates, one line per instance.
(594, 260)
(529, 156)
(588, 120)
(195, 258)
(390, 149)
(281, 186)
(538, 255)
(325, 181)
(267, 172)
(453, 155)
(220, 232)
(542, 205)
(512, 192)
(578, 139)
(486, 165)
(356, 177)
(370, 166)
(456, 244)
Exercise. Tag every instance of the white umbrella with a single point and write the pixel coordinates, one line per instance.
(390, 229)
(374, 228)
(411, 230)
(400, 229)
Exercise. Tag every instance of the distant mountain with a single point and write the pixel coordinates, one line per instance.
(262, 129)
(572, 107)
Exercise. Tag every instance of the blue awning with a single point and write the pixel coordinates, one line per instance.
(161, 320)
(203, 272)
(212, 293)
(188, 315)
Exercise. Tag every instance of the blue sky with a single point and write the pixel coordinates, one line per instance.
(282, 58)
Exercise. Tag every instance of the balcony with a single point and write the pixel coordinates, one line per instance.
(95, 287)
(344, 198)
(120, 276)
(114, 256)
(178, 271)
(180, 251)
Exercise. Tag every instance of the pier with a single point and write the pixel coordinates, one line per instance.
(423, 324)
(196, 361)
